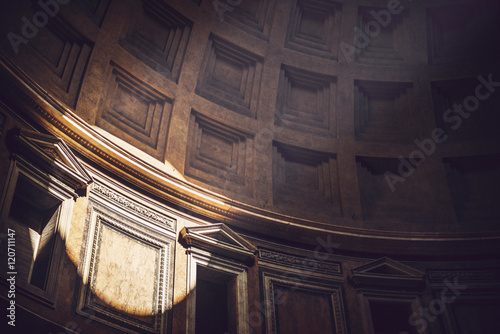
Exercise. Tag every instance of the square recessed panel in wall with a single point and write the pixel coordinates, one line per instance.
(318, 305)
(474, 183)
(314, 28)
(305, 181)
(136, 112)
(158, 35)
(59, 68)
(230, 76)
(386, 44)
(252, 16)
(306, 102)
(383, 110)
(219, 155)
(94, 9)
(463, 32)
(461, 113)
(396, 197)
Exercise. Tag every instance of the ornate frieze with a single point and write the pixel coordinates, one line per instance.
(311, 264)
(135, 207)
(465, 275)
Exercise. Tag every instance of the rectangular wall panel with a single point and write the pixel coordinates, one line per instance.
(126, 262)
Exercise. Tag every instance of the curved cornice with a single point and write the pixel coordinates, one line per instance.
(34, 102)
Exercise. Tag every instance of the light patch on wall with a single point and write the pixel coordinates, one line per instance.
(117, 273)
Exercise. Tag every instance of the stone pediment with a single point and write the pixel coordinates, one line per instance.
(51, 155)
(387, 273)
(219, 239)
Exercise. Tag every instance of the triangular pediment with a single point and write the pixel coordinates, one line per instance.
(387, 266)
(50, 154)
(219, 239)
(386, 272)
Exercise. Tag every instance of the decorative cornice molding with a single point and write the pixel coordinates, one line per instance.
(464, 275)
(387, 273)
(48, 112)
(219, 239)
(51, 155)
(297, 262)
(128, 204)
